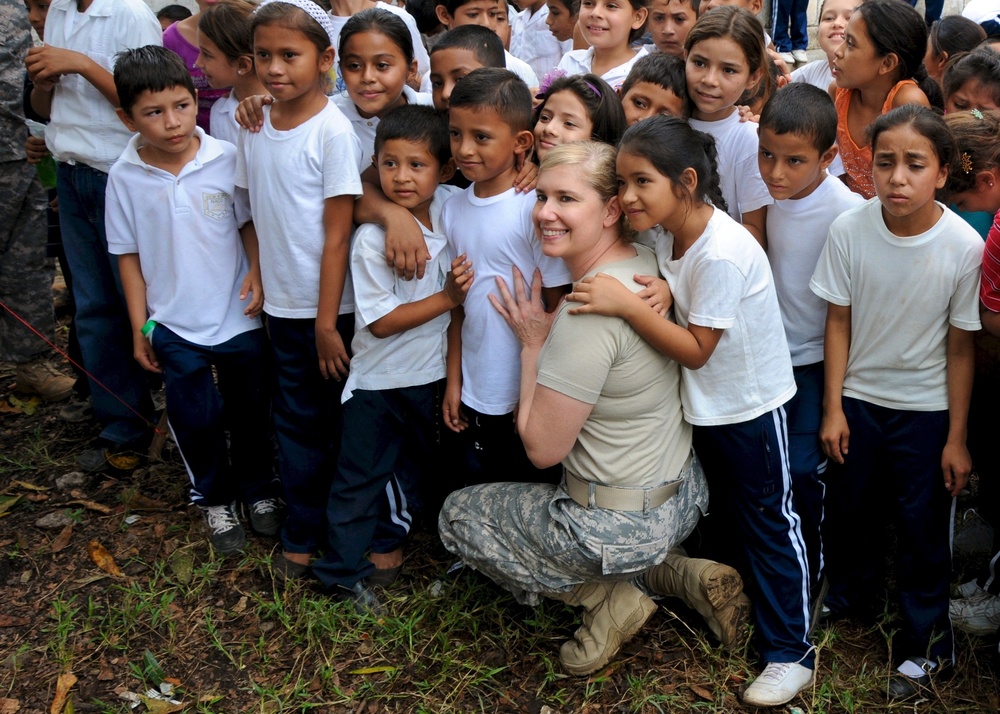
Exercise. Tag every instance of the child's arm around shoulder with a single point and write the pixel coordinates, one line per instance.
(602, 294)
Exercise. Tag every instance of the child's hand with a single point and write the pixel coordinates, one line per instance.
(333, 360)
(35, 149)
(405, 248)
(459, 280)
(746, 114)
(656, 294)
(46, 63)
(956, 463)
(252, 288)
(601, 295)
(527, 173)
(451, 408)
(144, 354)
(784, 73)
(834, 434)
(250, 112)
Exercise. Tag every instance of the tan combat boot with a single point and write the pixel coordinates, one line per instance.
(613, 613)
(41, 378)
(714, 590)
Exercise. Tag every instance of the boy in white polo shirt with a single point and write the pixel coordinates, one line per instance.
(175, 226)
(395, 384)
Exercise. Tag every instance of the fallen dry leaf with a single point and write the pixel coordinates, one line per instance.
(12, 621)
(9, 706)
(159, 706)
(373, 670)
(90, 505)
(62, 540)
(102, 558)
(240, 606)
(8, 503)
(138, 502)
(63, 685)
(29, 486)
(702, 692)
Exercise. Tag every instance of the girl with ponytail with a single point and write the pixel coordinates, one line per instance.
(735, 380)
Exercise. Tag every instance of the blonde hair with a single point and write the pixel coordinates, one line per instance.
(597, 162)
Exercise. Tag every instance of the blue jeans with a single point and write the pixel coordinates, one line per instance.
(785, 13)
(118, 386)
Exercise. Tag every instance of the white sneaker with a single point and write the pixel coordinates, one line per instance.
(969, 591)
(788, 58)
(779, 683)
(979, 616)
(800, 56)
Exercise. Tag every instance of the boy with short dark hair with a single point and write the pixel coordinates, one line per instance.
(457, 53)
(175, 221)
(459, 13)
(798, 132)
(398, 364)
(489, 120)
(656, 84)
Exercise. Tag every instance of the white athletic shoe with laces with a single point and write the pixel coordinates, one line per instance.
(969, 590)
(779, 683)
(976, 616)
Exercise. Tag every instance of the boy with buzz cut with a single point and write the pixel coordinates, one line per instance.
(392, 393)
(797, 135)
(456, 53)
(489, 120)
(187, 255)
(656, 84)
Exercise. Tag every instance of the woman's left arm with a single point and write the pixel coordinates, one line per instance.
(956, 463)
(548, 421)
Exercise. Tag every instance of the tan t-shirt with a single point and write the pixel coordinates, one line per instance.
(635, 435)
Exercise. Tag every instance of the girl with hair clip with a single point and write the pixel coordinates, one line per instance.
(578, 108)
(899, 366)
(609, 27)
(735, 380)
(974, 185)
(726, 57)
(302, 172)
(225, 57)
(376, 58)
(972, 81)
(878, 67)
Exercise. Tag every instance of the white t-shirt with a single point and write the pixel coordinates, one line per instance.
(796, 234)
(817, 73)
(979, 11)
(724, 282)
(580, 62)
(531, 40)
(496, 233)
(185, 229)
(289, 175)
(739, 175)
(419, 50)
(413, 357)
(83, 125)
(364, 127)
(222, 119)
(903, 294)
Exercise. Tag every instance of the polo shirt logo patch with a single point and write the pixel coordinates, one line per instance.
(216, 205)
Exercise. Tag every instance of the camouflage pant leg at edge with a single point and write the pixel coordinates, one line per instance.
(25, 280)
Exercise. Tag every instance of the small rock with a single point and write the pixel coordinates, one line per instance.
(56, 520)
(436, 589)
(71, 480)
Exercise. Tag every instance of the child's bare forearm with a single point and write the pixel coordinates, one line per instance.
(960, 369)
(837, 344)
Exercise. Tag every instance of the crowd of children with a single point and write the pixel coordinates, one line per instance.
(262, 209)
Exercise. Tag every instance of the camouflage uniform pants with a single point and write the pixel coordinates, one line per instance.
(534, 539)
(25, 280)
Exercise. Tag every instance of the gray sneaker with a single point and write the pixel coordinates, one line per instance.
(976, 616)
(266, 516)
(225, 532)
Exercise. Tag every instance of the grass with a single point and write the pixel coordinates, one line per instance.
(234, 640)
